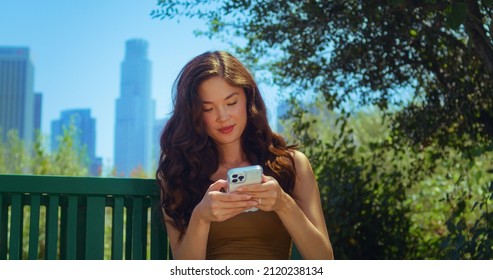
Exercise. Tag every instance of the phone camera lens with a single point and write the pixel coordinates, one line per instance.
(235, 180)
(241, 178)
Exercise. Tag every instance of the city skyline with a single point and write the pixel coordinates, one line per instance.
(77, 48)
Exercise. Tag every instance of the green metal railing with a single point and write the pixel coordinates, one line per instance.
(57, 217)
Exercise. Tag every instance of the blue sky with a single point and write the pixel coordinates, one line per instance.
(77, 46)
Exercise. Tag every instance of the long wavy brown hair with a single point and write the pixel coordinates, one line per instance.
(189, 157)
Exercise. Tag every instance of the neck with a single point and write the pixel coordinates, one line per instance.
(231, 156)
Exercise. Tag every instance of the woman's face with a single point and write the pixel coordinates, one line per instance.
(223, 110)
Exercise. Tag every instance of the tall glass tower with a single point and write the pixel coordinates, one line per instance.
(16, 93)
(134, 112)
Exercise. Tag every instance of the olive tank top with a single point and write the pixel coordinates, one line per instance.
(252, 235)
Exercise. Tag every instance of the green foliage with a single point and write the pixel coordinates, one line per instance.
(445, 208)
(386, 203)
(13, 154)
(469, 238)
(363, 193)
(70, 158)
(16, 158)
(433, 58)
(408, 180)
(445, 213)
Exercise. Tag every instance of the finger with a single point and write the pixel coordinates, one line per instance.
(226, 213)
(238, 200)
(230, 197)
(232, 213)
(266, 178)
(241, 206)
(261, 187)
(251, 188)
(218, 185)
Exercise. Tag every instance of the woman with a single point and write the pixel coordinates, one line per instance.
(220, 122)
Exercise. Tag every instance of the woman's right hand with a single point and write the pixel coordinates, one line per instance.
(218, 206)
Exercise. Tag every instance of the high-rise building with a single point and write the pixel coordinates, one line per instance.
(16, 93)
(85, 135)
(134, 112)
(38, 105)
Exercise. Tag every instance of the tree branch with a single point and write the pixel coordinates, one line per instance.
(477, 34)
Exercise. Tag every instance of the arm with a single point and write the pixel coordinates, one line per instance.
(215, 206)
(193, 244)
(303, 216)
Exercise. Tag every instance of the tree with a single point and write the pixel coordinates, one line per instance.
(69, 159)
(382, 203)
(427, 65)
(13, 154)
(432, 58)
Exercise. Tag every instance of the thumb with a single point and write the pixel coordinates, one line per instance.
(219, 185)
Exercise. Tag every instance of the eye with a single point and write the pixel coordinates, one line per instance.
(208, 109)
(232, 103)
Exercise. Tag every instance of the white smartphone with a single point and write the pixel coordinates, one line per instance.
(244, 176)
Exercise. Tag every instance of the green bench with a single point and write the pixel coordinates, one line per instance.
(59, 217)
(55, 217)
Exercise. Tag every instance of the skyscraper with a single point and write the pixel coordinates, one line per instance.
(134, 111)
(16, 93)
(38, 105)
(85, 134)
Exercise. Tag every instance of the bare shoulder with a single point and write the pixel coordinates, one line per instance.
(306, 184)
(306, 192)
(302, 163)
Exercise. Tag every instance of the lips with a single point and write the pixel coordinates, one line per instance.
(226, 129)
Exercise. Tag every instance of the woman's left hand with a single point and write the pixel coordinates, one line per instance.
(268, 194)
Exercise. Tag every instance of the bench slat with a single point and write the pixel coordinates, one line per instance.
(16, 225)
(3, 225)
(137, 235)
(94, 242)
(52, 227)
(35, 205)
(128, 228)
(70, 228)
(117, 230)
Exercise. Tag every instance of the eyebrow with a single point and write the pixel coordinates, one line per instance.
(227, 97)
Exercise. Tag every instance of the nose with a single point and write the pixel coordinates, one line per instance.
(222, 114)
